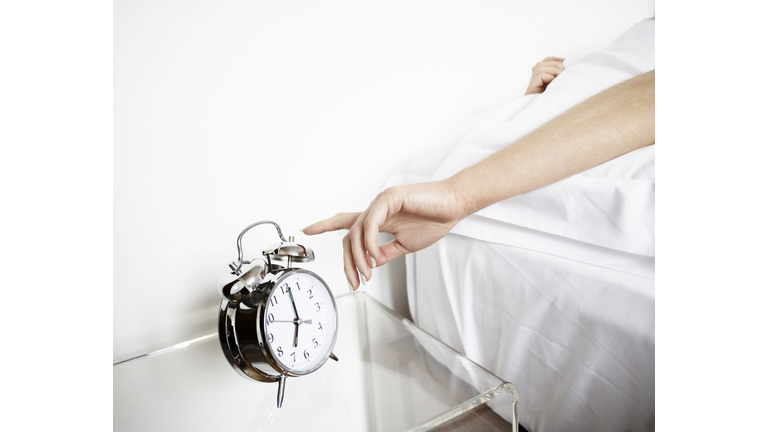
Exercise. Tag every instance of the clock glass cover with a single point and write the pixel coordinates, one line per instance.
(300, 322)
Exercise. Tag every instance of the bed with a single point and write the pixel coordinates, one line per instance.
(552, 290)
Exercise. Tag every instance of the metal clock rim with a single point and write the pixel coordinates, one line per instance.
(239, 363)
(271, 360)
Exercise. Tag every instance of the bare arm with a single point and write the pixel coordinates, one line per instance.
(609, 124)
(605, 126)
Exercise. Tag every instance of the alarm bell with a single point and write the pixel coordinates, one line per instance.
(290, 251)
(243, 279)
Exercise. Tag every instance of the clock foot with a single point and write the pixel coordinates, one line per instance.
(280, 391)
(333, 357)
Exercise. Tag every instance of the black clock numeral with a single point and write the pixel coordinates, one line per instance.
(310, 294)
(306, 355)
(298, 286)
(285, 288)
(270, 319)
(314, 342)
(294, 355)
(279, 351)
(273, 301)
(318, 306)
(319, 326)
(271, 338)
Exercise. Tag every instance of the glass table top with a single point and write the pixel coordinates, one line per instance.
(391, 376)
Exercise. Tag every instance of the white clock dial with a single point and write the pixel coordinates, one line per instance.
(300, 322)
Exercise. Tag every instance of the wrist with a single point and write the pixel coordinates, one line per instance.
(461, 195)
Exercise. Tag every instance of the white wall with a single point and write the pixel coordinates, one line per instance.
(230, 112)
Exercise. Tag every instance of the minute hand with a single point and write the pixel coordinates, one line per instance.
(293, 303)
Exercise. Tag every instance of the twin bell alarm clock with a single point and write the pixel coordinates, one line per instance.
(275, 320)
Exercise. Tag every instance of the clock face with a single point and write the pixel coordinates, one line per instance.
(300, 322)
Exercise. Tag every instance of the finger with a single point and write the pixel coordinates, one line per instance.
(549, 74)
(552, 65)
(538, 82)
(376, 215)
(534, 88)
(340, 221)
(556, 65)
(390, 251)
(546, 77)
(349, 267)
(548, 66)
(557, 59)
(359, 256)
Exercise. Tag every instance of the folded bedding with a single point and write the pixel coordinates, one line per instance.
(611, 205)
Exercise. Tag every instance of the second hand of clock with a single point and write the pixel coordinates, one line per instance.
(294, 321)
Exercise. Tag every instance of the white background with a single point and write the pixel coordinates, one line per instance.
(56, 172)
(228, 113)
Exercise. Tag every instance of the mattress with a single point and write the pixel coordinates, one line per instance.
(577, 339)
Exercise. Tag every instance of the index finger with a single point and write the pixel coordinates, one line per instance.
(334, 223)
(377, 215)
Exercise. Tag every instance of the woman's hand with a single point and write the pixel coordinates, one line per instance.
(543, 73)
(615, 121)
(417, 215)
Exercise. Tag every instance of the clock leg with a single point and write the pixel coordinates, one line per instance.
(280, 391)
(333, 357)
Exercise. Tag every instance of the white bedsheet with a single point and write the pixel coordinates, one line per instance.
(576, 339)
(552, 290)
(611, 205)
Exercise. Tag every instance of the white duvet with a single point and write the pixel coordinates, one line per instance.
(552, 290)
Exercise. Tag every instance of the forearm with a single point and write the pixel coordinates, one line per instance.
(605, 126)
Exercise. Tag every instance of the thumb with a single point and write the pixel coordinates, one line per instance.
(390, 251)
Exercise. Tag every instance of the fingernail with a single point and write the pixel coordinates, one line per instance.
(373, 263)
(362, 278)
(350, 287)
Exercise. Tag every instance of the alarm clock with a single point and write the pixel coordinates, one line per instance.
(276, 321)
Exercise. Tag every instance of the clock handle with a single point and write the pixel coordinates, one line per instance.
(280, 391)
(240, 241)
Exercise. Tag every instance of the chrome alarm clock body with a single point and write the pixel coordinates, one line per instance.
(276, 321)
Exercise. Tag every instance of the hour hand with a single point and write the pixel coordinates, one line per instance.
(296, 335)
